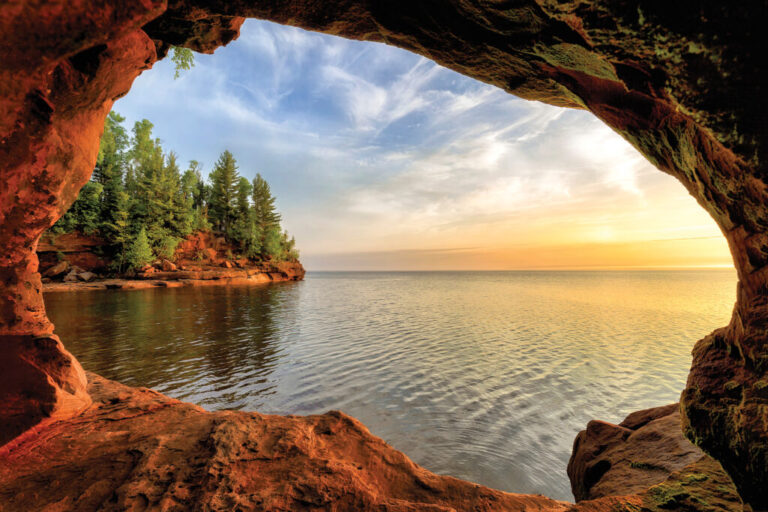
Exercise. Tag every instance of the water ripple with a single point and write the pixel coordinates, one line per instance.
(485, 376)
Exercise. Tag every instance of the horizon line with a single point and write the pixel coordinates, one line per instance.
(541, 269)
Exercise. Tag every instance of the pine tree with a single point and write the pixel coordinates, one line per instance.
(112, 147)
(264, 211)
(272, 246)
(142, 205)
(114, 227)
(242, 230)
(139, 253)
(224, 179)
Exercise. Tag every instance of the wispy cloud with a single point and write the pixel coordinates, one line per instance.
(368, 147)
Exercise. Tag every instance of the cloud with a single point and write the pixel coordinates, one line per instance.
(369, 147)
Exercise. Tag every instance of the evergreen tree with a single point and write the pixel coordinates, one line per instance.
(112, 147)
(242, 230)
(224, 179)
(84, 214)
(272, 246)
(180, 214)
(264, 212)
(142, 205)
(115, 215)
(139, 253)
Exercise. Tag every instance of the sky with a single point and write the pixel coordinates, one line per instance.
(382, 160)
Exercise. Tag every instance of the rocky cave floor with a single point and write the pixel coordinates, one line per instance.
(136, 449)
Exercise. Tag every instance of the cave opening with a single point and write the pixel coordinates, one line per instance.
(57, 96)
(352, 135)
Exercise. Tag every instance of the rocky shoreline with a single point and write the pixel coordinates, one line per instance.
(181, 278)
(71, 262)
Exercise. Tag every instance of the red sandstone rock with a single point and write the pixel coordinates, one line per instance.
(86, 276)
(644, 450)
(39, 379)
(75, 248)
(648, 455)
(167, 266)
(137, 449)
(676, 80)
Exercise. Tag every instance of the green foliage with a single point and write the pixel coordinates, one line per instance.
(183, 59)
(112, 146)
(166, 246)
(273, 247)
(264, 211)
(84, 213)
(139, 253)
(142, 204)
(224, 181)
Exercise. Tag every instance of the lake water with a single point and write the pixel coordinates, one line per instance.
(486, 376)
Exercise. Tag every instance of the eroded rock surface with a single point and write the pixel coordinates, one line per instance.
(648, 454)
(679, 80)
(135, 449)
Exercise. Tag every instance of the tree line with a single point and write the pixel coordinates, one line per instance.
(141, 203)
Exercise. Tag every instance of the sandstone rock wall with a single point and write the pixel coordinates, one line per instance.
(679, 80)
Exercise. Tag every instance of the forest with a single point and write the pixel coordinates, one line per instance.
(142, 204)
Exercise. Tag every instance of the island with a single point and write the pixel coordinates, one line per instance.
(141, 222)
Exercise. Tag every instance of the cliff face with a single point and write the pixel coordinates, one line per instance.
(679, 80)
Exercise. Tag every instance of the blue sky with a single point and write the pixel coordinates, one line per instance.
(380, 159)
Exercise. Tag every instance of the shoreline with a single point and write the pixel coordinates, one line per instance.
(175, 279)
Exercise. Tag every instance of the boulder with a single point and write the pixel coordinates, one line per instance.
(71, 277)
(57, 269)
(613, 460)
(227, 264)
(86, 276)
(209, 254)
(167, 266)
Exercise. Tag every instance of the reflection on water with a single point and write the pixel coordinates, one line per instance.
(482, 375)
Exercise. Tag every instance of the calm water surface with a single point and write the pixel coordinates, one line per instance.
(486, 376)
